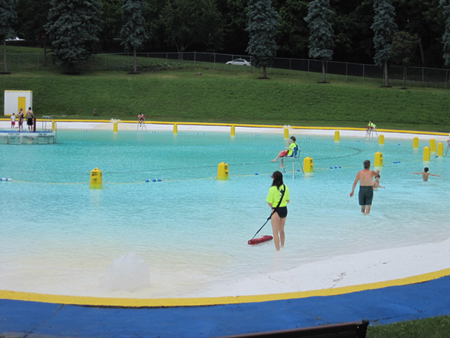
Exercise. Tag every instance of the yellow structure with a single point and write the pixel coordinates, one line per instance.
(381, 139)
(432, 145)
(286, 132)
(116, 127)
(96, 179)
(378, 159)
(308, 165)
(175, 128)
(440, 149)
(337, 136)
(416, 142)
(426, 154)
(222, 171)
(233, 131)
(53, 126)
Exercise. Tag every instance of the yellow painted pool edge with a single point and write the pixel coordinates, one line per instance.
(208, 301)
(252, 126)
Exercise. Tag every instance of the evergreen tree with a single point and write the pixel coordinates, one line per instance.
(445, 5)
(8, 17)
(403, 47)
(384, 28)
(133, 29)
(73, 27)
(263, 22)
(321, 32)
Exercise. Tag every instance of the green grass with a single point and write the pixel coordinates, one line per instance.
(435, 327)
(229, 97)
(225, 94)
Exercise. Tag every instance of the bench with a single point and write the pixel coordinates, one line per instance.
(343, 330)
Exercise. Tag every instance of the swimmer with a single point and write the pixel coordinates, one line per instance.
(365, 178)
(425, 174)
(291, 144)
(376, 183)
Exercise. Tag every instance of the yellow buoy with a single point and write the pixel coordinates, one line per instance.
(222, 171)
(308, 165)
(116, 127)
(53, 126)
(416, 142)
(381, 139)
(337, 136)
(440, 149)
(426, 154)
(233, 131)
(96, 179)
(175, 128)
(286, 132)
(378, 159)
(432, 145)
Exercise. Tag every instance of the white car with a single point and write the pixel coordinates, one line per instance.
(15, 39)
(239, 62)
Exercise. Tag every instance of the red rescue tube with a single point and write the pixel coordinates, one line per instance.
(260, 240)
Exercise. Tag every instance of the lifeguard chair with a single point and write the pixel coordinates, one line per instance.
(371, 130)
(141, 123)
(295, 157)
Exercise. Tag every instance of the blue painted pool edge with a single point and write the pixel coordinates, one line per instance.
(379, 306)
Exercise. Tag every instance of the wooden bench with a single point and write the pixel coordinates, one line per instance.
(343, 330)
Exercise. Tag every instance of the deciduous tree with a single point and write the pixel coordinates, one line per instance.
(133, 30)
(190, 22)
(263, 22)
(403, 47)
(73, 28)
(320, 32)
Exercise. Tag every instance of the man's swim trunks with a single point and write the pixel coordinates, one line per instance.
(365, 195)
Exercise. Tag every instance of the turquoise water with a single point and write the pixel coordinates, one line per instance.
(58, 236)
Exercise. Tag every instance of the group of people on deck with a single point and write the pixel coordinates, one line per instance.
(29, 116)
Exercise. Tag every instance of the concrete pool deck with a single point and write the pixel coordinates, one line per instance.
(383, 286)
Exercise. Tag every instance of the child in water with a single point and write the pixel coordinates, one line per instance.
(425, 174)
(376, 183)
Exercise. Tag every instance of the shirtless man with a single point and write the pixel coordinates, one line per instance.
(425, 174)
(365, 178)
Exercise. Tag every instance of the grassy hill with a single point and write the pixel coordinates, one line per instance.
(226, 96)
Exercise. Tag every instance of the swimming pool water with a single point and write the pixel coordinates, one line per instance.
(58, 236)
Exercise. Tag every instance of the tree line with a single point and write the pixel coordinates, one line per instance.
(350, 26)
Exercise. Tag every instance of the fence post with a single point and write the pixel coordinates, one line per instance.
(290, 66)
(423, 75)
(195, 57)
(346, 70)
(364, 72)
(308, 65)
(38, 61)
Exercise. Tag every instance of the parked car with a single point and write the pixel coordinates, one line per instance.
(15, 39)
(239, 62)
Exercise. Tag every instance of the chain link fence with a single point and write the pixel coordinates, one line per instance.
(148, 62)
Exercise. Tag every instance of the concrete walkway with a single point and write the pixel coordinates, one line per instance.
(380, 306)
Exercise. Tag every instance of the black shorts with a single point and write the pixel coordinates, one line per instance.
(365, 195)
(282, 212)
